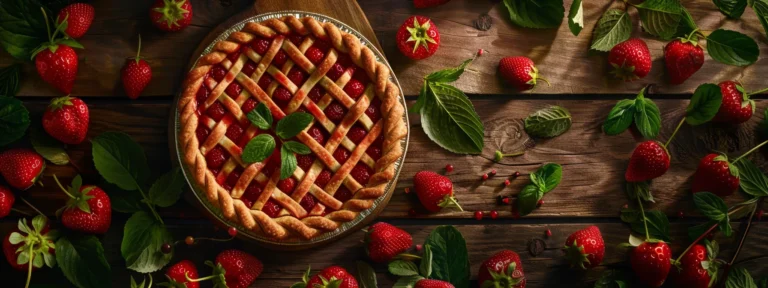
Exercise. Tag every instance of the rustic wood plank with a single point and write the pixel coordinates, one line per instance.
(593, 163)
(285, 268)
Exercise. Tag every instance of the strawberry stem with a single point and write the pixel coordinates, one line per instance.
(688, 38)
(750, 151)
(498, 155)
(31, 206)
(758, 92)
(743, 237)
(138, 51)
(62, 187)
(186, 275)
(645, 220)
(29, 270)
(732, 210)
(47, 25)
(21, 212)
(674, 133)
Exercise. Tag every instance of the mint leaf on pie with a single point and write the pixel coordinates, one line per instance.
(614, 27)
(536, 13)
(660, 17)
(297, 147)
(82, 261)
(704, 104)
(450, 120)
(261, 117)
(576, 17)
(528, 199)
(51, 149)
(292, 124)
(143, 235)
(731, 8)
(167, 189)
(259, 148)
(548, 122)
(450, 258)
(120, 160)
(732, 48)
(10, 77)
(288, 163)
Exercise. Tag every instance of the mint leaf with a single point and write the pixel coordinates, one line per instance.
(450, 259)
(167, 190)
(704, 104)
(614, 27)
(658, 225)
(22, 27)
(51, 149)
(725, 226)
(142, 237)
(620, 117)
(14, 120)
(288, 163)
(120, 160)
(547, 177)
(297, 147)
(732, 48)
(10, 77)
(528, 199)
(752, 180)
(647, 116)
(450, 74)
(548, 122)
(292, 124)
(366, 275)
(259, 148)
(407, 282)
(695, 231)
(687, 24)
(425, 267)
(536, 13)
(261, 117)
(403, 268)
(576, 17)
(122, 201)
(739, 278)
(761, 9)
(640, 189)
(450, 120)
(710, 205)
(612, 279)
(731, 8)
(82, 261)
(660, 17)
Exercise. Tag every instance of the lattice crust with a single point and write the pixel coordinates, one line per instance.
(293, 219)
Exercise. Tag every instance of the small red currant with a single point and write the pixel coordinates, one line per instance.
(407, 190)
(189, 240)
(517, 173)
(625, 206)
(541, 202)
(419, 247)
(506, 182)
(480, 52)
(165, 248)
(448, 168)
(494, 214)
(412, 212)
(485, 176)
(479, 215)
(760, 215)
(493, 172)
(680, 214)
(548, 233)
(506, 200)
(232, 231)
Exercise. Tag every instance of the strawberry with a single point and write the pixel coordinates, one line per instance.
(737, 107)
(631, 59)
(30, 243)
(135, 74)
(6, 201)
(418, 38)
(330, 277)
(177, 275)
(503, 269)
(79, 17)
(519, 72)
(585, 248)
(651, 262)
(428, 3)
(649, 160)
(431, 283)
(67, 119)
(384, 242)
(57, 65)
(88, 209)
(171, 15)
(435, 191)
(690, 273)
(715, 174)
(682, 57)
(21, 168)
(240, 269)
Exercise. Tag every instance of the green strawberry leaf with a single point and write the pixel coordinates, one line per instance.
(22, 27)
(288, 163)
(704, 104)
(739, 278)
(120, 160)
(292, 124)
(725, 226)
(425, 267)
(641, 190)
(620, 117)
(752, 180)
(449, 119)
(122, 201)
(14, 120)
(614, 27)
(166, 191)
(403, 268)
(448, 75)
(450, 258)
(548, 122)
(660, 17)
(687, 24)
(658, 225)
(647, 116)
(576, 17)
(261, 117)
(51, 149)
(536, 13)
(82, 260)
(547, 177)
(528, 199)
(143, 236)
(366, 275)
(710, 205)
(761, 9)
(732, 48)
(10, 77)
(731, 8)
(259, 148)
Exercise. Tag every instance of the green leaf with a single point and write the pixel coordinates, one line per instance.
(660, 17)
(547, 177)
(407, 282)
(292, 124)
(536, 13)
(630, 215)
(731, 8)
(620, 117)
(14, 120)
(288, 163)
(366, 275)
(120, 160)
(449, 119)
(658, 225)
(261, 117)
(612, 279)
(614, 27)
(22, 27)
(416, 108)
(167, 190)
(704, 104)
(143, 236)
(761, 9)
(548, 122)
(762, 283)
(528, 199)
(695, 231)
(687, 24)
(10, 76)
(448, 75)
(297, 147)
(51, 149)
(640, 189)
(647, 117)
(739, 278)
(732, 48)
(403, 268)
(725, 226)
(752, 180)
(259, 148)
(122, 201)
(710, 205)
(450, 259)
(425, 267)
(81, 259)
(576, 17)
(70, 42)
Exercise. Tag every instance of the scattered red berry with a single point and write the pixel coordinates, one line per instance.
(493, 172)
(485, 176)
(479, 215)
(480, 52)
(449, 168)
(519, 72)
(680, 214)
(494, 214)
(506, 182)
(631, 59)
(189, 240)
(166, 248)
(232, 231)
(135, 74)
(171, 15)
(407, 190)
(419, 247)
(505, 200)
(412, 212)
(79, 18)
(625, 206)
(517, 174)
(541, 202)
(548, 233)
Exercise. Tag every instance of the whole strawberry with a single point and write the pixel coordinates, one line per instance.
(177, 275)
(715, 175)
(418, 38)
(67, 119)
(431, 283)
(504, 269)
(79, 18)
(135, 75)
(682, 57)
(30, 244)
(435, 191)
(57, 65)
(690, 273)
(519, 72)
(6, 201)
(384, 242)
(234, 269)
(585, 248)
(649, 160)
(737, 107)
(428, 3)
(331, 277)
(21, 167)
(651, 262)
(88, 209)
(631, 59)
(171, 15)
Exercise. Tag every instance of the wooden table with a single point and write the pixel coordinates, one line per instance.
(593, 163)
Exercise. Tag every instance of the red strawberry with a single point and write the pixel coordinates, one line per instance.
(631, 59)
(682, 57)
(234, 269)
(435, 191)
(67, 119)
(585, 248)
(135, 74)
(384, 242)
(331, 277)
(57, 65)
(79, 18)
(30, 242)
(88, 209)
(177, 275)
(691, 273)
(21, 167)
(503, 269)
(431, 283)
(6, 201)
(649, 160)
(651, 262)
(418, 38)
(737, 107)
(428, 3)
(171, 15)
(520, 72)
(715, 175)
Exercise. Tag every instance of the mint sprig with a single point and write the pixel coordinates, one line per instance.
(704, 104)
(263, 145)
(614, 27)
(543, 180)
(641, 111)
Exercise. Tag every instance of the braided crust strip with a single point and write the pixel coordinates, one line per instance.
(287, 227)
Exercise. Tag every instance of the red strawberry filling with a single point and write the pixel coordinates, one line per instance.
(296, 39)
(202, 94)
(316, 93)
(234, 176)
(249, 104)
(297, 76)
(335, 72)
(280, 58)
(251, 194)
(341, 155)
(233, 56)
(315, 55)
(216, 111)
(335, 112)
(282, 95)
(234, 89)
(354, 88)
(317, 134)
(234, 132)
(308, 202)
(343, 194)
(356, 134)
(323, 178)
(271, 208)
(216, 157)
(260, 45)
(249, 68)
(286, 185)
(202, 133)
(374, 110)
(218, 72)
(305, 161)
(374, 152)
(361, 173)
(264, 81)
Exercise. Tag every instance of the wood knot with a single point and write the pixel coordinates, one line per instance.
(506, 135)
(483, 22)
(536, 246)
